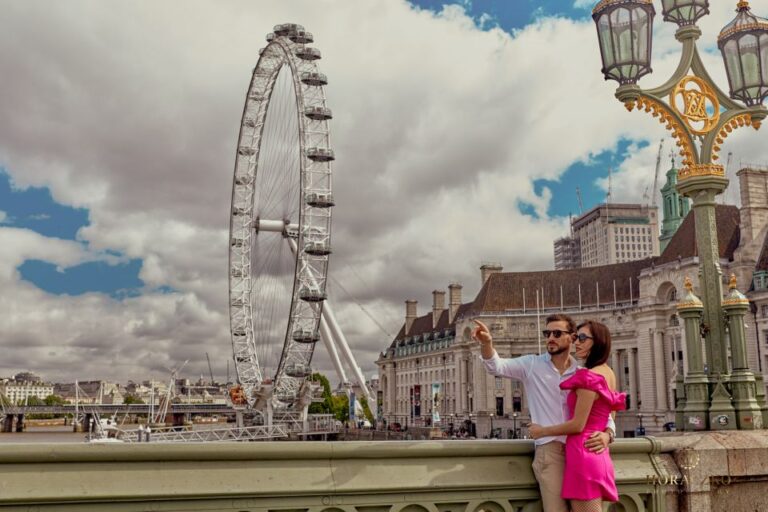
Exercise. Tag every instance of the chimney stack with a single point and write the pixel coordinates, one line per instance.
(438, 305)
(410, 315)
(454, 300)
(487, 269)
(754, 202)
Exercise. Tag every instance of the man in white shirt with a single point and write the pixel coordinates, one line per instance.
(541, 375)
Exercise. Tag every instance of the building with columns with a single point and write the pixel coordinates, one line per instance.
(637, 300)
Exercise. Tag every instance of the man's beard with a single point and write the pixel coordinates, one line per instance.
(559, 350)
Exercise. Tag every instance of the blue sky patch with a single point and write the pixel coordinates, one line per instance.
(118, 281)
(509, 14)
(35, 209)
(583, 175)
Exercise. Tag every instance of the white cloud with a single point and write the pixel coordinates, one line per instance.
(3, 217)
(439, 128)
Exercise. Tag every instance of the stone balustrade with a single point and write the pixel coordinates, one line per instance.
(379, 476)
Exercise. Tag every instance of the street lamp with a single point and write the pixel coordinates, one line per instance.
(491, 436)
(624, 29)
(700, 116)
(684, 12)
(744, 45)
(640, 428)
(514, 425)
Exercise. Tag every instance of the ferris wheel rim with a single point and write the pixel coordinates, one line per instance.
(244, 351)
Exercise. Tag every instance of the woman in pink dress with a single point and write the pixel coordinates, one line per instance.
(589, 478)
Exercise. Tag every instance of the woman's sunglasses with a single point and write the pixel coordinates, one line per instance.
(583, 337)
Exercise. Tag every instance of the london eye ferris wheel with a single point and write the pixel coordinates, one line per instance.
(280, 221)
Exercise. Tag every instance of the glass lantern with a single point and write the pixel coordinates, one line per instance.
(624, 31)
(744, 45)
(684, 12)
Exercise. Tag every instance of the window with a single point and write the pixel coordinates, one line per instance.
(499, 383)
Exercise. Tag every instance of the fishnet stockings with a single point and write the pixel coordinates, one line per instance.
(595, 505)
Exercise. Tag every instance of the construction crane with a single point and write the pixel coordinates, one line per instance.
(210, 370)
(581, 203)
(656, 175)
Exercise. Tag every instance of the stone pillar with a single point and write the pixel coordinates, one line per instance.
(617, 369)
(748, 413)
(657, 339)
(633, 394)
(695, 414)
(20, 426)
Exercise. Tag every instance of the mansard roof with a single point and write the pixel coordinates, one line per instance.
(517, 290)
(683, 244)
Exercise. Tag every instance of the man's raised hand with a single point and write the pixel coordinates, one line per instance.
(481, 333)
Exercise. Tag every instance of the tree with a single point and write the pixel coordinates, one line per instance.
(132, 399)
(54, 400)
(326, 406)
(366, 409)
(340, 407)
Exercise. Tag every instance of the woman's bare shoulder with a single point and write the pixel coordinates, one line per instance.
(606, 372)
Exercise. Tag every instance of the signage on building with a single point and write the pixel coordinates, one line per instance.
(435, 403)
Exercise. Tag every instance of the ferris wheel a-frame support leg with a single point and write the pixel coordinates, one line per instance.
(334, 339)
(325, 334)
(341, 341)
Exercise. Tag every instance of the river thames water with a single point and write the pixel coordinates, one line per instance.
(54, 434)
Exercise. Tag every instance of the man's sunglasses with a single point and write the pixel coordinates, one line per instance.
(555, 333)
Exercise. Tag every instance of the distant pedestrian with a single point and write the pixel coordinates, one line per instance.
(148, 432)
(141, 433)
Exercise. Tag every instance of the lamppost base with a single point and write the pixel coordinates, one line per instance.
(722, 415)
(748, 413)
(696, 407)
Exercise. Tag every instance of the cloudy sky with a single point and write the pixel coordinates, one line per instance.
(461, 131)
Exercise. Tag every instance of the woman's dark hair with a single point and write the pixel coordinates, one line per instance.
(601, 343)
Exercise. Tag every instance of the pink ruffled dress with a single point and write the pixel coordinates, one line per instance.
(589, 475)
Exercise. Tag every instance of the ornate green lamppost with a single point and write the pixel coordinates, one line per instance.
(699, 116)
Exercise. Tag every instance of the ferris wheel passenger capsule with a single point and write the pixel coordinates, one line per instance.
(318, 113)
(245, 179)
(246, 151)
(286, 28)
(307, 53)
(305, 336)
(238, 242)
(270, 37)
(298, 371)
(320, 154)
(317, 248)
(320, 200)
(311, 294)
(301, 37)
(313, 78)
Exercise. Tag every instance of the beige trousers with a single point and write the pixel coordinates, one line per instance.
(548, 466)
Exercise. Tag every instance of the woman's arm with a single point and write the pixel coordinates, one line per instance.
(584, 400)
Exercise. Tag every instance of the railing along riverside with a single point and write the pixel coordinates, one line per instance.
(394, 476)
